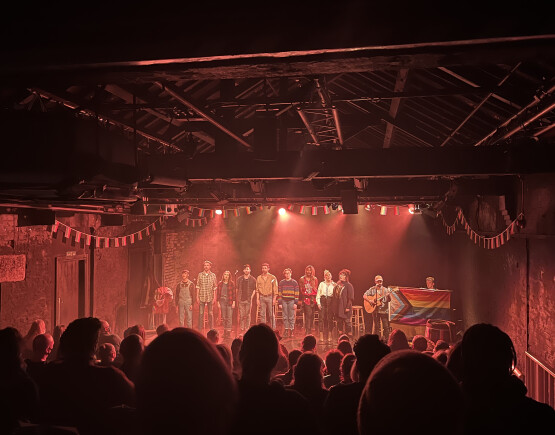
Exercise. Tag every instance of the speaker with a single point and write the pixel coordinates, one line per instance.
(29, 217)
(111, 220)
(349, 201)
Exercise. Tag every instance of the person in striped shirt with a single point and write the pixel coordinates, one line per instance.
(288, 298)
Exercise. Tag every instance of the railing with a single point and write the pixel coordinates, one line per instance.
(539, 380)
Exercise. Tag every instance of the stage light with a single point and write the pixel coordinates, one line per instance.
(334, 206)
(367, 207)
(281, 211)
(397, 211)
(383, 210)
(411, 208)
(218, 212)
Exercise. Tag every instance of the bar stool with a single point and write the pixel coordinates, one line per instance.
(358, 319)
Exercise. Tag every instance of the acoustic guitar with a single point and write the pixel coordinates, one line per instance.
(370, 307)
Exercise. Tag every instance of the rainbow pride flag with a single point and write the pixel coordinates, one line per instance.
(413, 306)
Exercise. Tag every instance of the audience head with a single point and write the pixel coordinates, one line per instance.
(441, 356)
(42, 346)
(419, 343)
(454, 360)
(401, 389)
(487, 353)
(346, 365)
(80, 339)
(343, 337)
(344, 347)
(136, 329)
(309, 343)
(293, 357)
(162, 328)
(308, 372)
(213, 336)
(105, 328)
(10, 346)
(235, 348)
(369, 350)
(259, 352)
(37, 327)
(131, 347)
(441, 345)
(398, 340)
(225, 352)
(184, 368)
(333, 362)
(106, 354)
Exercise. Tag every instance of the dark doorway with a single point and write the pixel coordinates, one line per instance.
(72, 289)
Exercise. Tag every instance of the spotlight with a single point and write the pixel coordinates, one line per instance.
(383, 210)
(218, 212)
(367, 207)
(281, 211)
(334, 206)
(411, 208)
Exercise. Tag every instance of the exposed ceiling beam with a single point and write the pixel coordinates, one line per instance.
(479, 105)
(71, 102)
(412, 162)
(395, 105)
(296, 63)
(177, 94)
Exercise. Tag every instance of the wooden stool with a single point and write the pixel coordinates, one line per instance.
(358, 319)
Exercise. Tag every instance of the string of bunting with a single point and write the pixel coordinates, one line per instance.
(482, 241)
(102, 242)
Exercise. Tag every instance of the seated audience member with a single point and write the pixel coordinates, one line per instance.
(18, 393)
(343, 337)
(308, 344)
(347, 363)
(454, 361)
(259, 400)
(441, 345)
(235, 348)
(184, 386)
(136, 329)
(37, 327)
(333, 368)
(42, 346)
(287, 377)
(74, 391)
(398, 340)
(131, 351)
(402, 390)
(282, 364)
(420, 343)
(308, 380)
(225, 352)
(56, 335)
(344, 347)
(213, 336)
(441, 356)
(496, 400)
(106, 354)
(341, 406)
(162, 328)
(106, 336)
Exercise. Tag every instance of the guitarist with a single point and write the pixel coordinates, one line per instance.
(376, 301)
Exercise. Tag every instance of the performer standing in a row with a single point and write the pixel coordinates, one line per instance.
(345, 295)
(206, 292)
(267, 290)
(308, 286)
(324, 301)
(246, 289)
(226, 298)
(288, 291)
(184, 296)
(379, 297)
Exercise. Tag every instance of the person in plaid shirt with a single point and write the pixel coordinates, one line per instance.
(206, 294)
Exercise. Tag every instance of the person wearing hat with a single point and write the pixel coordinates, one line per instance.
(378, 297)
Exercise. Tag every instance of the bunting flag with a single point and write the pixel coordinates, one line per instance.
(55, 227)
(201, 212)
(116, 242)
(140, 235)
(248, 210)
(132, 238)
(290, 207)
(97, 242)
(88, 240)
(147, 230)
(212, 213)
(314, 210)
(67, 233)
(78, 236)
(236, 212)
(224, 214)
(124, 241)
(326, 210)
(301, 211)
